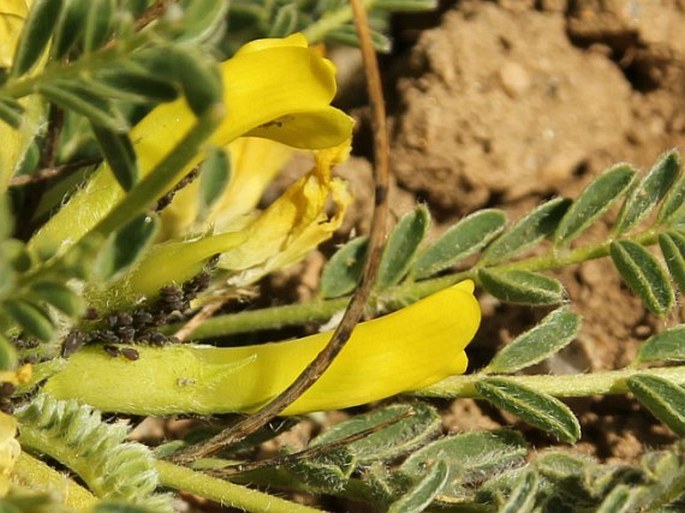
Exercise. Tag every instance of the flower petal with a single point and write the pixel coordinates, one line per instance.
(403, 351)
(294, 224)
(271, 80)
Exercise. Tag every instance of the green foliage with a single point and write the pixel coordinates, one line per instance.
(96, 451)
(327, 21)
(99, 68)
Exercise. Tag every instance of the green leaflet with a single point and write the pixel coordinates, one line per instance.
(540, 410)
(401, 248)
(469, 456)
(285, 21)
(215, 174)
(77, 96)
(666, 346)
(34, 37)
(69, 28)
(342, 272)
(136, 81)
(648, 192)
(199, 79)
(59, 295)
(522, 498)
(8, 355)
(528, 231)
(550, 335)
(618, 501)
(11, 111)
(643, 274)
(460, 241)
(121, 157)
(672, 206)
(32, 319)
(127, 245)
(202, 19)
(672, 245)
(98, 23)
(522, 287)
(420, 496)
(330, 471)
(396, 439)
(596, 199)
(664, 399)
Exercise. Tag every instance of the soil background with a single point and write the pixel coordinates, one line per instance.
(508, 103)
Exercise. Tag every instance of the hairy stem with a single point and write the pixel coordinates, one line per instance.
(225, 492)
(566, 385)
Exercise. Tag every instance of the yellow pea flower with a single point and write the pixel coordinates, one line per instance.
(400, 352)
(278, 89)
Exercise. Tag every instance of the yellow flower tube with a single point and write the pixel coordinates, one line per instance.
(400, 352)
(275, 88)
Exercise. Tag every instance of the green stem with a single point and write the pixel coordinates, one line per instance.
(225, 492)
(39, 476)
(320, 310)
(566, 385)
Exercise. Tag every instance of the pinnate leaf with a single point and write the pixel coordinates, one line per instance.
(553, 333)
(522, 287)
(643, 274)
(527, 232)
(460, 241)
(664, 399)
(596, 199)
(535, 408)
(402, 246)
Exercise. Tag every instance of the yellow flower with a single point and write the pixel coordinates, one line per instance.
(400, 352)
(274, 88)
(9, 450)
(282, 235)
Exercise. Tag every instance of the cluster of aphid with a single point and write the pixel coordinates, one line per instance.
(166, 200)
(140, 325)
